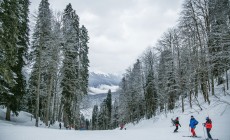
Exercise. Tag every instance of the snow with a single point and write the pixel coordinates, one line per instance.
(22, 127)
(158, 128)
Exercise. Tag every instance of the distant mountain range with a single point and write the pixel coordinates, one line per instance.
(99, 84)
(98, 79)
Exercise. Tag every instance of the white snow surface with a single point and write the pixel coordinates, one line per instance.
(157, 128)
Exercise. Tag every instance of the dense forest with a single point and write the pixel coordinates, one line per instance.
(185, 63)
(57, 59)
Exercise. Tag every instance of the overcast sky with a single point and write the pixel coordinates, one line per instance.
(120, 30)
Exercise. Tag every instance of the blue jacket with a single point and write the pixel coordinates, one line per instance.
(193, 123)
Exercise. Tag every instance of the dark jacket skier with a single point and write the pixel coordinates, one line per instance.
(208, 126)
(177, 123)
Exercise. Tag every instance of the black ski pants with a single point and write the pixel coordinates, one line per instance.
(176, 129)
(208, 133)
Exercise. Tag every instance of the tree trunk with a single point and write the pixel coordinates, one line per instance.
(65, 118)
(209, 89)
(75, 111)
(212, 82)
(60, 112)
(190, 99)
(196, 84)
(49, 99)
(8, 113)
(227, 79)
(55, 103)
(38, 89)
(182, 100)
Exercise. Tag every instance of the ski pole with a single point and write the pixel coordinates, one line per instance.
(188, 130)
(204, 133)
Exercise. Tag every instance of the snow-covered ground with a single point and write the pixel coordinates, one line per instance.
(158, 128)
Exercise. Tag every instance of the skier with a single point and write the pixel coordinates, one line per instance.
(87, 124)
(208, 126)
(177, 123)
(122, 126)
(60, 125)
(193, 123)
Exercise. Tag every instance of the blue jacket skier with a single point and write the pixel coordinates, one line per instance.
(192, 124)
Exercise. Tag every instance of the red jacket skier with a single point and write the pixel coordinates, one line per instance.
(208, 126)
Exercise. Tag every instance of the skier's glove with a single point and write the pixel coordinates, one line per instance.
(204, 124)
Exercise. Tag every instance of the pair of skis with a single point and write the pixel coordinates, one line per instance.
(200, 137)
(193, 136)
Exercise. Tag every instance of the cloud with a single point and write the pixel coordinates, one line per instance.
(120, 30)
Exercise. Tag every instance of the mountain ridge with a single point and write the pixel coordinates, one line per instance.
(97, 79)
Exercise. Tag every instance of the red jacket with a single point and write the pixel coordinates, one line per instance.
(208, 124)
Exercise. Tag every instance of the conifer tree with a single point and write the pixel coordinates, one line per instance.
(14, 42)
(95, 118)
(70, 82)
(108, 101)
(150, 91)
(83, 53)
(42, 39)
(115, 115)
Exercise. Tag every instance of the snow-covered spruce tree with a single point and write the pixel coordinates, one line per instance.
(102, 116)
(115, 115)
(123, 112)
(95, 118)
(23, 43)
(108, 101)
(8, 40)
(41, 47)
(14, 42)
(83, 59)
(22, 47)
(137, 92)
(82, 64)
(75, 66)
(150, 91)
(102, 120)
